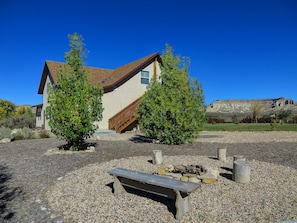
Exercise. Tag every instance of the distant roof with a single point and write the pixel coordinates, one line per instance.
(109, 79)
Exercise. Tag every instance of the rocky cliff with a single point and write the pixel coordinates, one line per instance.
(246, 106)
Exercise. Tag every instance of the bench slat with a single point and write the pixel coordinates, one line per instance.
(186, 187)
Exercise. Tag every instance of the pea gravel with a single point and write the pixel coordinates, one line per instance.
(30, 180)
(86, 194)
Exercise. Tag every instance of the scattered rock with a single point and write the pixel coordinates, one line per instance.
(14, 132)
(91, 148)
(183, 178)
(190, 175)
(209, 181)
(214, 171)
(176, 176)
(161, 170)
(204, 168)
(180, 168)
(43, 208)
(192, 169)
(53, 216)
(170, 168)
(194, 180)
(5, 140)
(207, 176)
(38, 201)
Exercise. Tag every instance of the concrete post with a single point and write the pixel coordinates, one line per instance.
(237, 158)
(221, 154)
(157, 157)
(242, 171)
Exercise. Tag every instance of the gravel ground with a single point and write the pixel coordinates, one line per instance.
(75, 188)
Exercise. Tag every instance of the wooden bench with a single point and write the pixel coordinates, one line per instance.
(174, 189)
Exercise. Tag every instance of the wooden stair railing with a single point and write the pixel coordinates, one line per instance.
(124, 118)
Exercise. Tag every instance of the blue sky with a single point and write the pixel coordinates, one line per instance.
(238, 49)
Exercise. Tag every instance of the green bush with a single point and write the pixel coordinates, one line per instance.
(18, 136)
(235, 119)
(7, 109)
(43, 134)
(19, 122)
(24, 121)
(5, 133)
(294, 119)
(273, 124)
(25, 133)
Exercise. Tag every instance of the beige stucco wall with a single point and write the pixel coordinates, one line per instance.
(45, 102)
(39, 120)
(113, 102)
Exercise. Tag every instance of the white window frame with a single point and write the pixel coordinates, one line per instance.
(145, 77)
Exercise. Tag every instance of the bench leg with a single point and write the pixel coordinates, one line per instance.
(118, 187)
(182, 205)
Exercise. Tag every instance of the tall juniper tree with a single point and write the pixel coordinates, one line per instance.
(172, 110)
(74, 103)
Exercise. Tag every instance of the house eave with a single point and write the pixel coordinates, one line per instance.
(44, 75)
(129, 75)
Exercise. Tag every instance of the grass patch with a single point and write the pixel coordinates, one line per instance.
(249, 127)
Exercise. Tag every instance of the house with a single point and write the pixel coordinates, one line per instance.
(123, 87)
(37, 109)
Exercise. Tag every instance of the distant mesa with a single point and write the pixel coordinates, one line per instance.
(268, 106)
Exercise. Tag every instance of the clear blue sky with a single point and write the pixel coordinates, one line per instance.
(241, 49)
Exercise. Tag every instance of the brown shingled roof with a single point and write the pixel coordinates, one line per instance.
(109, 79)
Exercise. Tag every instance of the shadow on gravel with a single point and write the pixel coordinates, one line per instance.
(84, 146)
(7, 194)
(170, 203)
(227, 169)
(228, 176)
(141, 139)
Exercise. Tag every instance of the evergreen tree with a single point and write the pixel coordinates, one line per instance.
(74, 103)
(172, 110)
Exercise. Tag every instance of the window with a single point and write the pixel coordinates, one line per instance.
(145, 77)
(38, 111)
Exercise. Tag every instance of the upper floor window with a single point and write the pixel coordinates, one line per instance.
(145, 77)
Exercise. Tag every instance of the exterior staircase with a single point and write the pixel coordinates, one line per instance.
(124, 118)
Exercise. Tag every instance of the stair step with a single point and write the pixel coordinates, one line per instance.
(105, 132)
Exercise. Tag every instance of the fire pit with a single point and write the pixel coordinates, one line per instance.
(189, 173)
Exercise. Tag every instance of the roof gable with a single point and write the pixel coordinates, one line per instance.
(109, 79)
